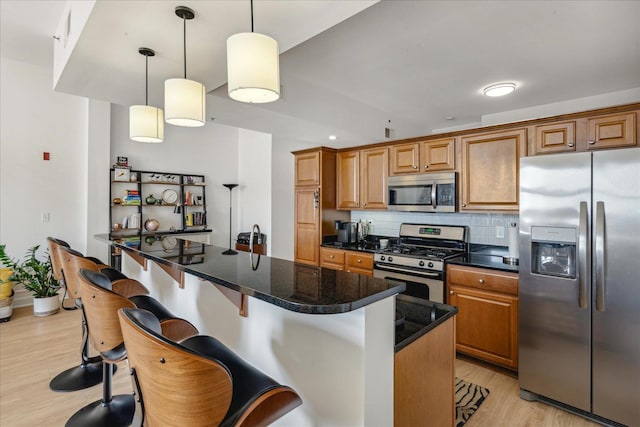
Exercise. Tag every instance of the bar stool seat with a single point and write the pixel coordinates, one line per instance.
(101, 304)
(223, 389)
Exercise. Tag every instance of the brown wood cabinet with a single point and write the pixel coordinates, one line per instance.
(585, 133)
(362, 179)
(315, 202)
(350, 261)
(555, 138)
(487, 320)
(424, 377)
(490, 170)
(611, 131)
(424, 156)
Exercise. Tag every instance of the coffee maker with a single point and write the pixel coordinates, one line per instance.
(347, 231)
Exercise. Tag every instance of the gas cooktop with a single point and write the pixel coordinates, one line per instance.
(421, 252)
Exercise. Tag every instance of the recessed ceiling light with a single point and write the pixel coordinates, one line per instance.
(332, 137)
(499, 89)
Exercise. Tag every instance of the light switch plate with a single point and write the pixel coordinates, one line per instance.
(499, 232)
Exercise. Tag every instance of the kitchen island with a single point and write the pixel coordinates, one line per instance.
(328, 334)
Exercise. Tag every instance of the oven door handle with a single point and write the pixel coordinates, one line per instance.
(402, 270)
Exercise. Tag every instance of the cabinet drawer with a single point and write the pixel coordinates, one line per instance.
(489, 280)
(359, 261)
(332, 258)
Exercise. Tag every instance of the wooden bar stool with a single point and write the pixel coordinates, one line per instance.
(65, 262)
(100, 304)
(198, 381)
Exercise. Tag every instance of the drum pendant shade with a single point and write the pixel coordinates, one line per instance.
(184, 99)
(184, 102)
(253, 68)
(146, 123)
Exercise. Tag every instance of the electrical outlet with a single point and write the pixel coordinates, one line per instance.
(499, 232)
(45, 216)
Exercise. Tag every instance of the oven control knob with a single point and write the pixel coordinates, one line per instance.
(421, 263)
(430, 265)
(390, 259)
(382, 258)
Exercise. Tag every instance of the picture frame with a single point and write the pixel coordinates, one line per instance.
(121, 174)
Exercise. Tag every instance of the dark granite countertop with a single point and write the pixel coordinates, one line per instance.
(295, 287)
(417, 317)
(370, 244)
(485, 257)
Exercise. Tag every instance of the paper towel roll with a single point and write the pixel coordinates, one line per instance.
(512, 239)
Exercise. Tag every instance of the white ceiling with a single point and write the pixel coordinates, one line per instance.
(351, 68)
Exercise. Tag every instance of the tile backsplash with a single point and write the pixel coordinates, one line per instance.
(483, 227)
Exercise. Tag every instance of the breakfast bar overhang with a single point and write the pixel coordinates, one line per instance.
(328, 334)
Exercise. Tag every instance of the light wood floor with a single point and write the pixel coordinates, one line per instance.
(33, 350)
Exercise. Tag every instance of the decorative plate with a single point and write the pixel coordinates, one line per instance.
(169, 243)
(170, 197)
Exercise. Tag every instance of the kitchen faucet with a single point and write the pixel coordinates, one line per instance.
(255, 226)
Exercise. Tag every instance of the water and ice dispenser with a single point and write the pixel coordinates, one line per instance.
(553, 251)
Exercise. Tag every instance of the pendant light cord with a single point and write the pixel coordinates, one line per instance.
(184, 44)
(252, 16)
(146, 80)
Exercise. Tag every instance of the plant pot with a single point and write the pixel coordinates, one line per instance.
(46, 306)
(6, 289)
(6, 307)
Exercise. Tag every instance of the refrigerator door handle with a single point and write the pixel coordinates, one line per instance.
(583, 255)
(599, 257)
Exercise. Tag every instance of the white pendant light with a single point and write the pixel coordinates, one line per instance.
(146, 123)
(253, 67)
(184, 100)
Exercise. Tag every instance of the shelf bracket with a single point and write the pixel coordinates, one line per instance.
(177, 275)
(139, 259)
(238, 299)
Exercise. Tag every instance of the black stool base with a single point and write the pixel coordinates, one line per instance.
(117, 413)
(78, 378)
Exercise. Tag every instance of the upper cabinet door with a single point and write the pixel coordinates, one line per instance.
(490, 170)
(438, 155)
(405, 158)
(618, 130)
(555, 138)
(374, 171)
(308, 169)
(348, 170)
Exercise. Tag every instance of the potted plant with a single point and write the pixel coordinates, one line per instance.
(37, 277)
(6, 294)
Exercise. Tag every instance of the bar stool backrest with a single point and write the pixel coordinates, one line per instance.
(56, 261)
(72, 262)
(178, 387)
(101, 307)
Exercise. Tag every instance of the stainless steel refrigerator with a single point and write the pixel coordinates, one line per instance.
(579, 318)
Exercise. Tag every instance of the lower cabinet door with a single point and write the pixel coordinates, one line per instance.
(487, 325)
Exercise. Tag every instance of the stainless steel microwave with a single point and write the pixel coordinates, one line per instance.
(427, 192)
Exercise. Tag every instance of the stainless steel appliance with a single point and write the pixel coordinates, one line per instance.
(430, 192)
(579, 312)
(418, 258)
(347, 231)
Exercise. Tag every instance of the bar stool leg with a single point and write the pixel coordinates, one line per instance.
(112, 411)
(87, 374)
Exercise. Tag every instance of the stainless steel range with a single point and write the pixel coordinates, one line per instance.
(418, 258)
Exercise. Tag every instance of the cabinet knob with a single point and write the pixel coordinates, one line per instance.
(359, 260)
(331, 256)
(464, 205)
(414, 166)
(364, 204)
(481, 281)
(592, 142)
(426, 166)
(570, 144)
(450, 292)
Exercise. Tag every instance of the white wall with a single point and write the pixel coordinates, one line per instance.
(254, 174)
(36, 119)
(211, 150)
(282, 174)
